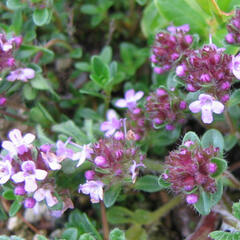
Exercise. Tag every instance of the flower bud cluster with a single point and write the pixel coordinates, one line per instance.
(209, 69)
(164, 108)
(114, 160)
(189, 168)
(29, 168)
(7, 47)
(233, 27)
(169, 47)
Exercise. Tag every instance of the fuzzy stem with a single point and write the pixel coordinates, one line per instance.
(104, 221)
(220, 12)
(163, 210)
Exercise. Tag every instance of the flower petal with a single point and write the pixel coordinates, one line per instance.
(129, 94)
(15, 136)
(138, 95)
(50, 199)
(207, 114)
(40, 174)
(30, 184)
(18, 177)
(39, 195)
(195, 106)
(10, 147)
(28, 138)
(217, 107)
(121, 103)
(111, 114)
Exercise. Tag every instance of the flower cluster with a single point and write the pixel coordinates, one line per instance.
(169, 47)
(233, 27)
(7, 47)
(114, 159)
(189, 168)
(209, 69)
(164, 108)
(29, 168)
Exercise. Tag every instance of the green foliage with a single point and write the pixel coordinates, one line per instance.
(148, 183)
(221, 235)
(111, 195)
(117, 234)
(15, 207)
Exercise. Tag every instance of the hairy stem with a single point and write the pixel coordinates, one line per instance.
(104, 221)
(220, 12)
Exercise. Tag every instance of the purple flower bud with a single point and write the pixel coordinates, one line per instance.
(225, 98)
(229, 38)
(166, 67)
(188, 39)
(29, 202)
(188, 143)
(165, 176)
(18, 41)
(118, 172)
(153, 59)
(3, 100)
(11, 62)
(236, 23)
(191, 88)
(212, 167)
(174, 56)
(158, 70)
(136, 111)
(100, 161)
(225, 86)
(119, 135)
(169, 127)
(19, 190)
(192, 198)
(89, 175)
(45, 148)
(205, 77)
(157, 121)
(160, 92)
(182, 105)
(180, 70)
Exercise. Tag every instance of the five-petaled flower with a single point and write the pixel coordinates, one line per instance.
(207, 105)
(29, 175)
(94, 189)
(130, 100)
(112, 124)
(22, 74)
(18, 144)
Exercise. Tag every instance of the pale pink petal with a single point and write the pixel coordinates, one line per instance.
(54, 165)
(111, 114)
(205, 97)
(28, 138)
(4, 179)
(121, 103)
(110, 132)
(30, 184)
(207, 114)
(40, 174)
(195, 106)
(129, 94)
(217, 107)
(105, 126)
(28, 166)
(18, 177)
(11, 77)
(15, 136)
(50, 199)
(138, 95)
(39, 195)
(29, 73)
(10, 147)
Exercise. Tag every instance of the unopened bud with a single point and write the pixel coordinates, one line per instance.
(192, 198)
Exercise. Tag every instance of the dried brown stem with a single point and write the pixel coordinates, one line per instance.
(104, 221)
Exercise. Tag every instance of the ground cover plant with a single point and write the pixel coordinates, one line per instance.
(120, 119)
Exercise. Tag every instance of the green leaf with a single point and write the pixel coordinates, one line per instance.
(175, 12)
(15, 4)
(100, 72)
(217, 196)
(117, 234)
(42, 137)
(141, 2)
(141, 216)
(203, 205)
(29, 93)
(89, 9)
(3, 215)
(83, 66)
(136, 232)
(70, 234)
(221, 166)
(17, 22)
(221, 235)
(15, 207)
(72, 130)
(76, 53)
(119, 215)
(86, 236)
(41, 16)
(229, 142)
(9, 195)
(111, 195)
(234, 99)
(213, 138)
(191, 136)
(106, 54)
(236, 210)
(148, 183)
(41, 237)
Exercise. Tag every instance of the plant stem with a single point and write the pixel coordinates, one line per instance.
(3, 112)
(104, 221)
(163, 210)
(220, 12)
(229, 122)
(232, 179)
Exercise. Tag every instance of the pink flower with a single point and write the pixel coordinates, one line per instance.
(94, 189)
(236, 66)
(130, 100)
(82, 155)
(63, 151)
(18, 144)
(133, 170)
(207, 105)
(52, 160)
(22, 74)
(29, 175)
(5, 171)
(191, 198)
(42, 194)
(112, 124)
